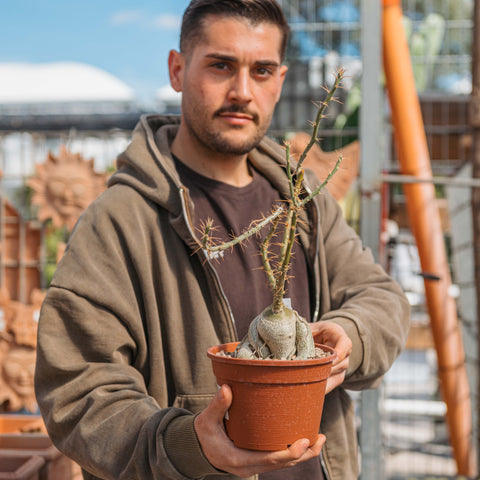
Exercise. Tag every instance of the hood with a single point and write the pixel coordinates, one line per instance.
(148, 167)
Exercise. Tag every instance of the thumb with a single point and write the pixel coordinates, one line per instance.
(220, 402)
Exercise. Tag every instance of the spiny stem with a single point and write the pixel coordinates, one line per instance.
(206, 232)
(316, 125)
(289, 240)
(252, 230)
(289, 170)
(295, 204)
(317, 190)
(264, 252)
(298, 187)
(288, 223)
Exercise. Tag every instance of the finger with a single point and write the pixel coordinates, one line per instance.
(340, 367)
(334, 381)
(343, 347)
(225, 398)
(220, 403)
(209, 423)
(298, 452)
(332, 335)
(210, 429)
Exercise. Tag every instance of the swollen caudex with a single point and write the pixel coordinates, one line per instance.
(283, 335)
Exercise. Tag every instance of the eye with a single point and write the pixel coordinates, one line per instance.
(56, 187)
(222, 66)
(263, 72)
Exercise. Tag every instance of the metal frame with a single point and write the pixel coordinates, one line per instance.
(371, 140)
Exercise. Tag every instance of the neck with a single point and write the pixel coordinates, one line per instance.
(230, 169)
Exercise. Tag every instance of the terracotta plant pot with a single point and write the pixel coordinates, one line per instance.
(18, 423)
(14, 444)
(275, 402)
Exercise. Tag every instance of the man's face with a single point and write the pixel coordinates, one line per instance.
(230, 83)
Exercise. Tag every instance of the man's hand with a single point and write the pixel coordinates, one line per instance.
(333, 335)
(222, 453)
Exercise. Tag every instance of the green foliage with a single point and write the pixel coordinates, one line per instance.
(54, 238)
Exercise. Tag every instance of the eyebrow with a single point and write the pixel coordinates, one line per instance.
(229, 58)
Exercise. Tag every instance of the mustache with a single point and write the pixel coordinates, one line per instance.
(237, 109)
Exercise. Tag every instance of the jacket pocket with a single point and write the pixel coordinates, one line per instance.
(193, 402)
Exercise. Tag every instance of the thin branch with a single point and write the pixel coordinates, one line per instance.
(250, 231)
(316, 125)
(264, 249)
(285, 262)
(317, 190)
(289, 169)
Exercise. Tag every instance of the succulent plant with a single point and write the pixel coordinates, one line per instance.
(279, 332)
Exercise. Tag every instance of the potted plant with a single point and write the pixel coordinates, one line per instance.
(277, 374)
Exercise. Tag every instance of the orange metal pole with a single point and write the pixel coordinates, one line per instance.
(425, 221)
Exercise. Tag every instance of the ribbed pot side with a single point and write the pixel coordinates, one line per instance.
(275, 402)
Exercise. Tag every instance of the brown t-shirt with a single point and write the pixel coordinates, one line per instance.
(232, 209)
(244, 282)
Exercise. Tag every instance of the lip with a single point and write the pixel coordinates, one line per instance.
(236, 118)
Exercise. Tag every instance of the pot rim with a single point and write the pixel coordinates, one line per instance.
(230, 347)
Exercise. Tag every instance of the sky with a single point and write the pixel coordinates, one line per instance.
(129, 39)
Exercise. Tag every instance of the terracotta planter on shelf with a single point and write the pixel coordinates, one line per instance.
(22, 438)
(275, 402)
(21, 468)
(18, 423)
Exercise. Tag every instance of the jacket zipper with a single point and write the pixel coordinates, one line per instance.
(222, 294)
(323, 466)
(316, 312)
(214, 273)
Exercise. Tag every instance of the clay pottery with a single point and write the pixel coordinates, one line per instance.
(21, 437)
(21, 468)
(18, 423)
(275, 402)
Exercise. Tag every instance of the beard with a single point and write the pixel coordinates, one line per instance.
(209, 137)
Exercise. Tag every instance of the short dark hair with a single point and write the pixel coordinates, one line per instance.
(255, 11)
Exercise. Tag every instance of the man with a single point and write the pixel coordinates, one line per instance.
(122, 379)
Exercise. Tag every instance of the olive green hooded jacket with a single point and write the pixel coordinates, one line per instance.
(134, 304)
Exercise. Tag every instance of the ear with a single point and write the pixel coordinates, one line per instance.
(176, 68)
(282, 73)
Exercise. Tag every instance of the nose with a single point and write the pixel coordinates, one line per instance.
(241, 89)
(67, 194)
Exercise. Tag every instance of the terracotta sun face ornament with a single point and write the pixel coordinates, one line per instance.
(64, 186)
(17, 352)
(17, 367)
(21, 320)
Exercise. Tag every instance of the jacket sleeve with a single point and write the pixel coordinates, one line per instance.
(92, 375)
(363, 299)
